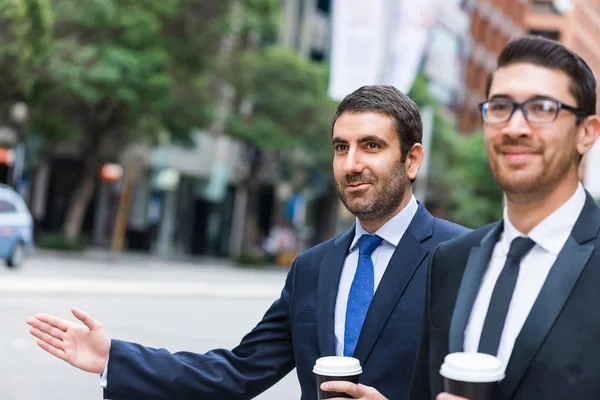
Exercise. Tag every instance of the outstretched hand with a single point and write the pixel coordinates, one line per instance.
(83, 346)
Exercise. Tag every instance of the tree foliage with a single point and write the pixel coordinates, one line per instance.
(25, 32)
(461, 182)
(290, 103)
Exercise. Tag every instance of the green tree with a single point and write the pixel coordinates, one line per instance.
(25, 32)
(106, 81)
(290, 104)
(108, 72)
(460, 180)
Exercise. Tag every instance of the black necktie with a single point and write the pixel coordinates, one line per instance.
(501, 296)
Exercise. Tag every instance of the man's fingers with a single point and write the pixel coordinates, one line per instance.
(86, 318)
(59, 323)
(34, 322)
(50, 340)
(350, 388)
(447, 396)
(52, 331)
(52, 350)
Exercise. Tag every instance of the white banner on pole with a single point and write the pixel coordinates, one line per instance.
(411, 22)
(357, 45)
(378, 42)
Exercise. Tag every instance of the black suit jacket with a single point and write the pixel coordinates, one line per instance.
(298, 329)
(557, 352)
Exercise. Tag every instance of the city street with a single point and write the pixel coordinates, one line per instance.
(175, 305)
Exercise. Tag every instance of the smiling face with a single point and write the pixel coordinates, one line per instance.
(528, 158)
(372, 179)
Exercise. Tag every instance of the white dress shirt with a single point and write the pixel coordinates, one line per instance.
(550, 236)
(391, 232)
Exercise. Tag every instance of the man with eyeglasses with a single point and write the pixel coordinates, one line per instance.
(526, 288)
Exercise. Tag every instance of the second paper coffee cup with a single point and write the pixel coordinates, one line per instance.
(336, 369)
(472, 375)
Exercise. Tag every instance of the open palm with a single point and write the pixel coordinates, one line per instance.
(83, 346)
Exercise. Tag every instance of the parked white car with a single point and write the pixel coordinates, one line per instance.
(16, 227)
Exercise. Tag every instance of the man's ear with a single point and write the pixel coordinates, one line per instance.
(413, 161)
(588, 134)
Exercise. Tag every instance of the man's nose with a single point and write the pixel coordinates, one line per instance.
(352, 163)
(517, 125)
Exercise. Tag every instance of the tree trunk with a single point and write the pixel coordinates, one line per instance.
(252, 186)
(224, 90)
(36, 192)
(80, 199)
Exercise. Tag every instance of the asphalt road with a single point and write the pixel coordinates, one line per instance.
(174, 318)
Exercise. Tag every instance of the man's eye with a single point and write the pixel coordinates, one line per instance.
(498, 107)
(340, 147)
(373, 145)
(543, 106)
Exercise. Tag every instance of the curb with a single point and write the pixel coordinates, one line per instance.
(136, 288)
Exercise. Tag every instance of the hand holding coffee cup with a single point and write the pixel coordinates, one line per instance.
(336, 368)
(472, 375)
(448, 396)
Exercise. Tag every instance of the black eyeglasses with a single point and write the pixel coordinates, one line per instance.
(537, 110)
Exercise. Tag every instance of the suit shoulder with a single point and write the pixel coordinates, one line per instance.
(448, 230)
(322, 248)
(468, 239)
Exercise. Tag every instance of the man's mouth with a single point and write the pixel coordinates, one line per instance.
(517, 155)
(358, 184)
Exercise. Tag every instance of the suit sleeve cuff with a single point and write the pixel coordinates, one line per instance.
(103, 377)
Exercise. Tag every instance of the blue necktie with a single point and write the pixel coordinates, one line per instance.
(361, 292)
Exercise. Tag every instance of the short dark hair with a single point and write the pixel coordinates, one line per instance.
(553, 55)
(386, 100)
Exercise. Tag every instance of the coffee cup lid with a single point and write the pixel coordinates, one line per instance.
(472, 367)
(337, 366)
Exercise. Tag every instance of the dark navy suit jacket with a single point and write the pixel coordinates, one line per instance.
(299, 328)
(556, 352)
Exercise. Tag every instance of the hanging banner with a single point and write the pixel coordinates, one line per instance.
(357, 45)
(378, 42)
(411, 23)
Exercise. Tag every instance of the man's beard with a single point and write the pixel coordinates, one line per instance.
(535, 183)
(382, 200)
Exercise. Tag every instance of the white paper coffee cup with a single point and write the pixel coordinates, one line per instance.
(336, 368)
(472, 375)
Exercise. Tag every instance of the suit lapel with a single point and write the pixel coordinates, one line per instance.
(404, 262)
(327, 289)
(477, 264)
(554, 294)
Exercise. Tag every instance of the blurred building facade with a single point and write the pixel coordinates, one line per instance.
(444, 59)
(308, 193)
(306, 27)
(576, 24)
(493, 23)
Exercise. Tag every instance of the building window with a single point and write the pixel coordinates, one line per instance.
(542, 7)
(552, 35)
(324, 5)
(7, 207)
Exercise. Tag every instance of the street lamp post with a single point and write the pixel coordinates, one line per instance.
(19, 114)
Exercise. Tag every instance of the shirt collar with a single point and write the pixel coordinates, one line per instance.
(393, 230)
(552, 233)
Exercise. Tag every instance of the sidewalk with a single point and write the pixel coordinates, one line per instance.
(131, 257)
(93, 273)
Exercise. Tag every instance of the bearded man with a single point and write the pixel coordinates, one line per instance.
(359, 294)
